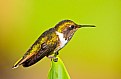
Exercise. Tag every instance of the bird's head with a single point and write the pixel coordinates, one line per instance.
(68, 28)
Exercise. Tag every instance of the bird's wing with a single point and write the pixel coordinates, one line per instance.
(38, 56)
(41, 48)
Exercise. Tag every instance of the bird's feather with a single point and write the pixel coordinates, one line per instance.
(44, 46)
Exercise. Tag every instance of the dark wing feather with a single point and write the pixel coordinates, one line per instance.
(47, 47)
(44, 46)
(36, 57)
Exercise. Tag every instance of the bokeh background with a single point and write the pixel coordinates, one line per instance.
(93, 53)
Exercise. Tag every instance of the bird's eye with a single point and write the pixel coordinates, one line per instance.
(72, 27)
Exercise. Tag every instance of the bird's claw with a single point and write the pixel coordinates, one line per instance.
(55, 59)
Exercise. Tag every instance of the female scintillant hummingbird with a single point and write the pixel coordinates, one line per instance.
(49, 43)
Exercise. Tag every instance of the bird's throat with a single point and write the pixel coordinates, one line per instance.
(63, 41)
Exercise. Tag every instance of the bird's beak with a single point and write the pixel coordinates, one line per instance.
(79, 26)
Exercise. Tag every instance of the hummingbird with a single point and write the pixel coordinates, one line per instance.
(49, 43)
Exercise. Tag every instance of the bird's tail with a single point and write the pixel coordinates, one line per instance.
(19, 62)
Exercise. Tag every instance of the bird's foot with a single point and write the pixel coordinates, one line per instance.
(53, 58)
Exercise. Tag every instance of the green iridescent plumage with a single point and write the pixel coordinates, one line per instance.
(44, 46)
